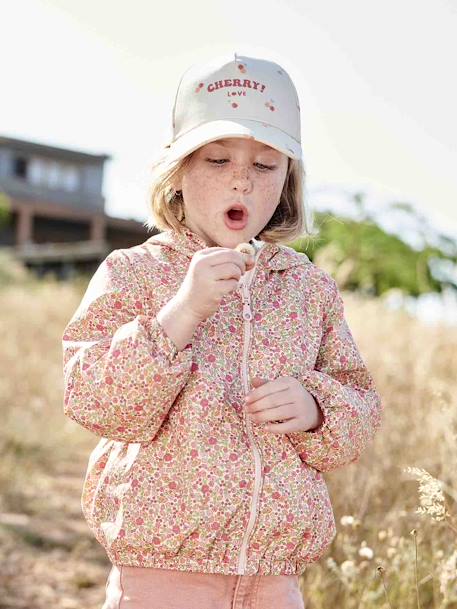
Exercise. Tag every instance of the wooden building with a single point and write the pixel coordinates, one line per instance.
(55, 209)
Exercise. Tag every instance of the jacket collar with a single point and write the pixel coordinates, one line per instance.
(274, 256)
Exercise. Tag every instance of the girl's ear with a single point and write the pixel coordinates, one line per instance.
(176, 187)
(177, 184)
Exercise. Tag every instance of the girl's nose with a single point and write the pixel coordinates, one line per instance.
(241, 179)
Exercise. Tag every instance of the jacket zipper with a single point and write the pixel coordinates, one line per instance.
(247, 317)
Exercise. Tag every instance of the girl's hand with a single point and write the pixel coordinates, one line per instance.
(213, 272)
(284, 399)
(248, 254)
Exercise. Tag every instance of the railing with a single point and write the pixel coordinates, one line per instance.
(60, 252)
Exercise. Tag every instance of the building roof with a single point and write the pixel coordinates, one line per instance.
(63, 153)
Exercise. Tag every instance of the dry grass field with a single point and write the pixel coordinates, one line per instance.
(396, 513)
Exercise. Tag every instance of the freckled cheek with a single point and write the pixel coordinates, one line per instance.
(202, 193)
(271, 194)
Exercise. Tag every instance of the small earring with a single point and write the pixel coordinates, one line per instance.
(178, 193)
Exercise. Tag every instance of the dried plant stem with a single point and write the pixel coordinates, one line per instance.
(414, 534)
(450, 519)
(381, 570)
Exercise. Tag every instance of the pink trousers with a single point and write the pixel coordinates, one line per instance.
(150, 588)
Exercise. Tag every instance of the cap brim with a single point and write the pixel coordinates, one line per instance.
(215, 130)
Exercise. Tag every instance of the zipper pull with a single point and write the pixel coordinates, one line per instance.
(247, 313)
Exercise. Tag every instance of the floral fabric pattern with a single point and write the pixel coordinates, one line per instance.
(170, 483)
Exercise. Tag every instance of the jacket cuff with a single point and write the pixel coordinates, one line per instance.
(312, 445)
(351, 416)
(163, 342)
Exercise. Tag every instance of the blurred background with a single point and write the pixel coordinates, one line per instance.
(87, 91)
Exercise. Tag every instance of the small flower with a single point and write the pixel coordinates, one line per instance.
(366, 552)
(347, 521)
(348, 568)
(382, 535)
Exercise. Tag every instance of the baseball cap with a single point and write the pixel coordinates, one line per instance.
(235, 96)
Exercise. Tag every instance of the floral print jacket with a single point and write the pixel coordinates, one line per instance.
(181, 478)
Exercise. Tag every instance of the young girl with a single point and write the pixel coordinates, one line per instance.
(222, 383)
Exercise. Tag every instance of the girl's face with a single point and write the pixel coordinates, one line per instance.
(228, 173)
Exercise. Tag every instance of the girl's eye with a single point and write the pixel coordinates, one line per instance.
(220, 162)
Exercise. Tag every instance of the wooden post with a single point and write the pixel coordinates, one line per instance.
(24, 226)
(97, 228)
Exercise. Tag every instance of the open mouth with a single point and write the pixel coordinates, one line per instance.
(235, 214)
(236, 217)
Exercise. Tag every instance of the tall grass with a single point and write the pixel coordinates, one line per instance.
(395, 508)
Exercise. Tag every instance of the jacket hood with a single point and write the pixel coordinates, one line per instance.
(274, 256)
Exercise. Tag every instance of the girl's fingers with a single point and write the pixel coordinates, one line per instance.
(217, 256)
(210, 250)
(250, 263)
(248, 253)
(228, 270)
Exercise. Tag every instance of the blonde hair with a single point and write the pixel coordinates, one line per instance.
(291, 219)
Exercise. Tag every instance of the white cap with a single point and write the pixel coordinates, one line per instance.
(235, 96)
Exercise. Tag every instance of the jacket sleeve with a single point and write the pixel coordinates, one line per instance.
(345, 392)
(122, 372)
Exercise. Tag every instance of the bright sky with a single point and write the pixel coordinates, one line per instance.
(376, 81)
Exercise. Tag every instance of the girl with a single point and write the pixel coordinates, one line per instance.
(222, 384)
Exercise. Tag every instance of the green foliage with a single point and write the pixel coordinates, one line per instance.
(362, 256)
(5, 205)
